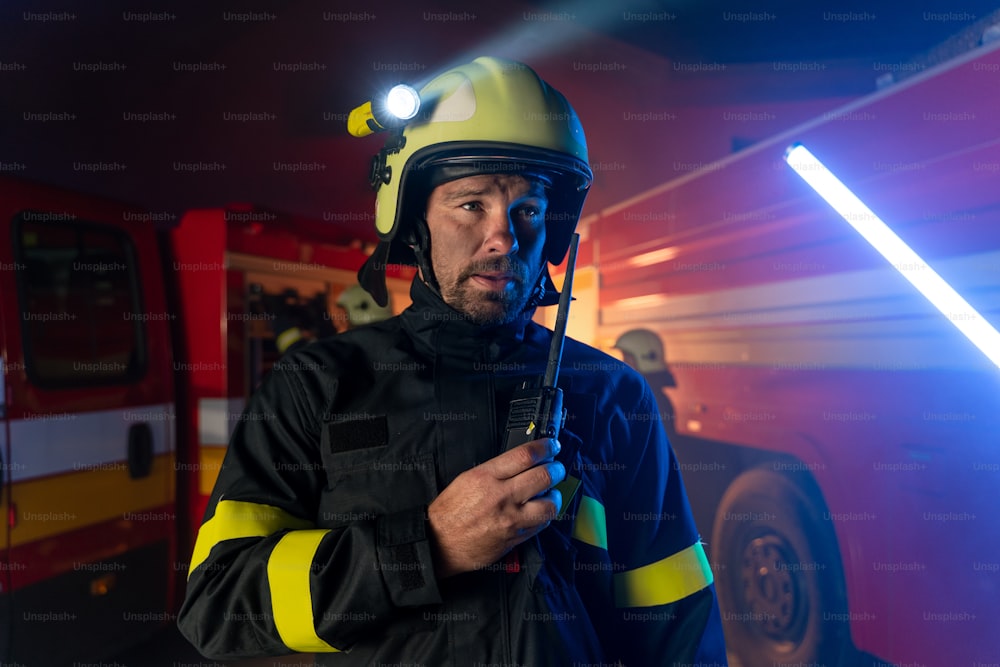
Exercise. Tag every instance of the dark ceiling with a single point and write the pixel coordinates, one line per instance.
(88, 65)
(795, 30)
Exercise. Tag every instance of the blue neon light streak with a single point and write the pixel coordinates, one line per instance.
(956, 309)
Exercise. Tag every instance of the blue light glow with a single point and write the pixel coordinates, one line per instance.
(956, 309)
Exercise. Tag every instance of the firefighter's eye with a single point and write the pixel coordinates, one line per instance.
(472, 206)
(530, 213)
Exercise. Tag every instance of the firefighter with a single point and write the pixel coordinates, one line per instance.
(294, 327)
(366, 510)
(642, 349)
(299, 322)
(361, 307)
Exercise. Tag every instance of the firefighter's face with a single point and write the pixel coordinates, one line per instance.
(487, 240)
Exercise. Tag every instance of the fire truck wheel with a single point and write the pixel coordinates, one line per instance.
(779, 578)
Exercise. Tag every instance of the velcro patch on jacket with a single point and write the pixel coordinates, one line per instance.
(347, 436)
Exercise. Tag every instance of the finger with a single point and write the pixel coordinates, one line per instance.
(536, 481)
(522, 457)
(543, 509)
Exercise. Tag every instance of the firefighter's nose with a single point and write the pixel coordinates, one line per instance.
(500, 233)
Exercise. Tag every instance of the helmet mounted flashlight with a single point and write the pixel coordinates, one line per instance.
(392, 110)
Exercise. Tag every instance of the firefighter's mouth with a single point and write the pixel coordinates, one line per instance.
(493, 280)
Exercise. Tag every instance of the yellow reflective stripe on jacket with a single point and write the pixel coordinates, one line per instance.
(665, 581)
(288, 571)
(234, 519)
(591, 524)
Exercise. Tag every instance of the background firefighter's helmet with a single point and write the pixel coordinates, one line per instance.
(488, 116)
(645, 350)
(361, 307)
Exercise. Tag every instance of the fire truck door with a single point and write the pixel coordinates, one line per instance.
(90, 467)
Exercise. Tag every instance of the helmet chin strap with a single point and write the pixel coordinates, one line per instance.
(541, 288)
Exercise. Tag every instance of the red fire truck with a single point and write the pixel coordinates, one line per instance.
(837, 434)
(128, 346)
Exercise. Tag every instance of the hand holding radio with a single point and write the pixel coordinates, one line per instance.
(490, 509)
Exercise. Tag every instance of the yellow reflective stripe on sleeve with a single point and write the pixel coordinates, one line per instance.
(669, 580)
(288, 571)
(567, 489)
(234, 519)
(591, 524)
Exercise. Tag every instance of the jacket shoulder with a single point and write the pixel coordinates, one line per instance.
(587, 365)
(341, 348)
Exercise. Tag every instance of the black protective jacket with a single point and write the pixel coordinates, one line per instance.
(315, 537)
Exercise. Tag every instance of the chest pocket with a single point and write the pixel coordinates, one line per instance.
(367, 477)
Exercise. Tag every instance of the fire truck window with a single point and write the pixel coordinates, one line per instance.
(80, 306)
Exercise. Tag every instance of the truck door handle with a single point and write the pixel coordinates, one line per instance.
(140, 450)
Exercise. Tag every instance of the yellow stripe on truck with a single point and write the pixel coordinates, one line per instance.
(288, 571)
(669, 580)
(209, 465)
(91, 494)
(235, 519)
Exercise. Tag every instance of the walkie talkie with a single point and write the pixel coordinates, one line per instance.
(537, 411)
